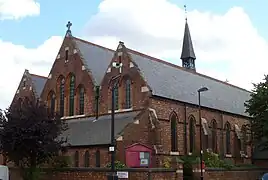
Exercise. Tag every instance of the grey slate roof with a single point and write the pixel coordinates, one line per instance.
(39, 83)
(169, 81)
(85, 131)
(96, 58)
(172, 82)
(187, 46)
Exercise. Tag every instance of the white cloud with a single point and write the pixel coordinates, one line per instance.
(227, 45)
(16, 58)
(15, 9)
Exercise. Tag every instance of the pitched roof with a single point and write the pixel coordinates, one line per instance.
(95, 58)
(173, 82)
(38, 83)
(168, 80)
(89, 131)
(187, 46)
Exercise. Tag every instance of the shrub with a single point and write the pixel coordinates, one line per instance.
(60, 162)
(118, 165)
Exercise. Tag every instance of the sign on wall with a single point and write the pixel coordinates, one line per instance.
(122, 174)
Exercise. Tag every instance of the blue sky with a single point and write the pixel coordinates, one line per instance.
(33, 31)
(228, 35)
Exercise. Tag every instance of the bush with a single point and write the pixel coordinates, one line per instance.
(167, 162)
(60, 162)
(118, 165)
(212, 160)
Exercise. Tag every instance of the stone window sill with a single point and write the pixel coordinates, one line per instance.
(228, 155)
(173, 153)
(75, 116)
(121, 110)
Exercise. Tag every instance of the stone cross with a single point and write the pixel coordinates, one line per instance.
(68, 25)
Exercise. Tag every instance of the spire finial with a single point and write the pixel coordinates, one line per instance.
(185, 11)
(69, 32)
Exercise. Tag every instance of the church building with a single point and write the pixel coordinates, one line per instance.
(156, 105)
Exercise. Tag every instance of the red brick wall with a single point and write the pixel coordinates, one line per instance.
(82, 77)
(101, 174)
(137, 97)
(141, 174)
(25, 91)
(231, 175)
(104, 156)
(164, 108)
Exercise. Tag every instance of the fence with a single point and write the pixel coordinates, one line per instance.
(143, 174)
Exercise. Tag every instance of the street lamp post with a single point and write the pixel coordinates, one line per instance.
(113, 83)
(203, 89)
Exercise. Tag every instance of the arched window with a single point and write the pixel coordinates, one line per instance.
(238, 145)
(61, 90)
(128, 93)
(71, 95)
(244, 138)
(86, 159)
(192, 133)
(97, 158)
(76, 159)
(173, 123)
(228, 138)
(51, 102)
(81, 100)
(116, 99)
(214, 136)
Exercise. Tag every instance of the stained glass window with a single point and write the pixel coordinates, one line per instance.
(62, 97)
(86, 159)
(192, 134)
(81, 100)
(52, 103)
(97, 158)
(76, 159)
(128, 93)
(228, 138)
(174, 143)
(214, 136)
(71, 95)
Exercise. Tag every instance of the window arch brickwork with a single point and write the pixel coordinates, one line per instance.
(228, 138)
(71, 94)
(61, 94)
(214, 136)
(173, 130)
(86, 159)
(191, 134)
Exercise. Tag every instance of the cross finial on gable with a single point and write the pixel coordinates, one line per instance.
(69, 32)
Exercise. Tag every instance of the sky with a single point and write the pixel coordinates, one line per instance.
(229, 36)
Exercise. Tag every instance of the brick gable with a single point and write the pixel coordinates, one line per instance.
(63, 68)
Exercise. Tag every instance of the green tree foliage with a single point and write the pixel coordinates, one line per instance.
(29, 135)
(257, 107)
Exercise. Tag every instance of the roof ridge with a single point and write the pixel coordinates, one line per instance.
(38, 75)
(181, 68)
(84, 41)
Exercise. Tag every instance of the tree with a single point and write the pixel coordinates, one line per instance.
(257, 107)
(29, 135)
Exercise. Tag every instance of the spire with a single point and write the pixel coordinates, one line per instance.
(187, 54)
